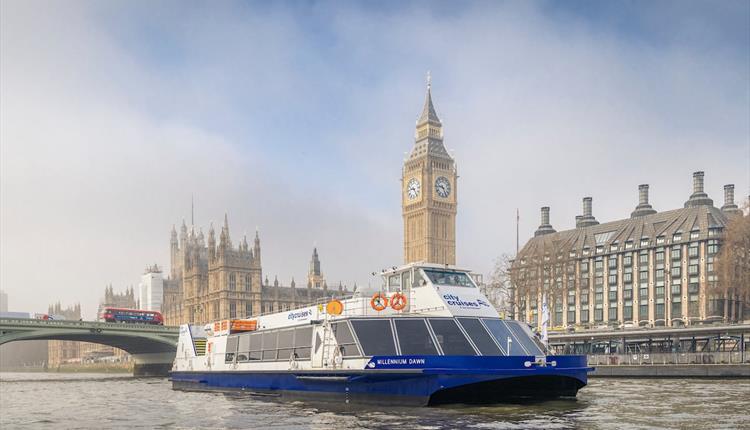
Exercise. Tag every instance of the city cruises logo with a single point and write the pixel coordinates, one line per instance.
(300, 314)
(454, 300)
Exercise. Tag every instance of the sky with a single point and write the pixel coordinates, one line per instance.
(294, 119)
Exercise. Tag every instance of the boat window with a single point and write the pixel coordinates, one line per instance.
(243, 347)
(479, 335)
(231, 349)
(255, 346)
(286, 344)
(450, 337)
(345, 340)
(405, 279)
(414, 338)
(375, 336)
(302, 340)
(525, 336)
(269, 345)
(447, 277)
(501, 332)
(394, 282)
(418, 279)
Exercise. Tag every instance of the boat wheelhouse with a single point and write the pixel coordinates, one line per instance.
(428, 336)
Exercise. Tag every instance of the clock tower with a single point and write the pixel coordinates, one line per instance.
(428, 193)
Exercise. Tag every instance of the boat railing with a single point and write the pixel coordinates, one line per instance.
(357, 305)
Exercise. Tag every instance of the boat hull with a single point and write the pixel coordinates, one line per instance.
(394, 381)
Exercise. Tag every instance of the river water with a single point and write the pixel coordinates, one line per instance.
(99, 401)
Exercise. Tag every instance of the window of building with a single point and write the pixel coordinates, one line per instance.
(627, 260)
(643, 293)
(676, 307)
(659, 240)
(600, 249)
(612, 263)
(248, 309)
(613, 312)
(643, 258)
(677, 237)
(450, 338)
(693, 250)
(627, 293)
(232, 282)
(627, 311)
(644, 242)
(643, 312)
(713, 247)
(232, 309)
(612, 280)
(598, 315)
(613, 247)
(659, 256)
(676, 253)
(584, 315)
(629, 244)
(248, 283)
(694, 234)
(375, 336)
(571, 315)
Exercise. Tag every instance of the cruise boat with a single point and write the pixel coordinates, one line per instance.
(428, 336)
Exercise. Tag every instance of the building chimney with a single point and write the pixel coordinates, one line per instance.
(699, 197)
(698, 182)
(643, 207)
(729, 206)
(587, 219)
(643, 194)
(545, 227)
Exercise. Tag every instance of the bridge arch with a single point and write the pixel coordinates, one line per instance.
(152, 347)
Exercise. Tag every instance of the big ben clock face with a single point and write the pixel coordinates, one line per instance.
(413, 188)
(443, 187)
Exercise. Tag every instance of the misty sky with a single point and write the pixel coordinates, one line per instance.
(294, 119)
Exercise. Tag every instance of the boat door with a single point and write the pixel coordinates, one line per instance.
(317, 355)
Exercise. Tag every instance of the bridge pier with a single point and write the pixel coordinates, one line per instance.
(152, 364)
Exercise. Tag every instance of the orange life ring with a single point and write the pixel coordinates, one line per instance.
(379, 301)
(398, 301)
(335, 307)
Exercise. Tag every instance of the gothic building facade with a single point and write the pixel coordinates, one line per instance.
(212, 279)
(428, 193)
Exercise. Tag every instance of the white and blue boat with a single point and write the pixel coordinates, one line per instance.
(429, 336)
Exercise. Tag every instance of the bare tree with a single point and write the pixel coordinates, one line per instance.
(733, 266)
(499, 288)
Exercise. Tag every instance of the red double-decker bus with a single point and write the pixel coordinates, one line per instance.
(132, 316)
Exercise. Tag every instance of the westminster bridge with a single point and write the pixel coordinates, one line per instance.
(152, 347)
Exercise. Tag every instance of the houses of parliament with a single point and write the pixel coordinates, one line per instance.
(211, 278)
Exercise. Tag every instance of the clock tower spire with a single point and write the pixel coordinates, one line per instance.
(428, 191)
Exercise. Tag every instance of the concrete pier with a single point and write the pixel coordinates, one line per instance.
(673, 371)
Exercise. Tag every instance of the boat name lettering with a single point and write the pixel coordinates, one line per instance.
(390, 361)
(453, 300)
(300, 314)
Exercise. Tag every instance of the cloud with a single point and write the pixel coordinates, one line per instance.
(295, 119)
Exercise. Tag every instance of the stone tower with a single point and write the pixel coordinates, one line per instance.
(315, 277)
(428, 193)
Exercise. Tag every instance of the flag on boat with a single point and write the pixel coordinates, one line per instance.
(545, 320)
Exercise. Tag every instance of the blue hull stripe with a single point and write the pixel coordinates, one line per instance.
(392, 377)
